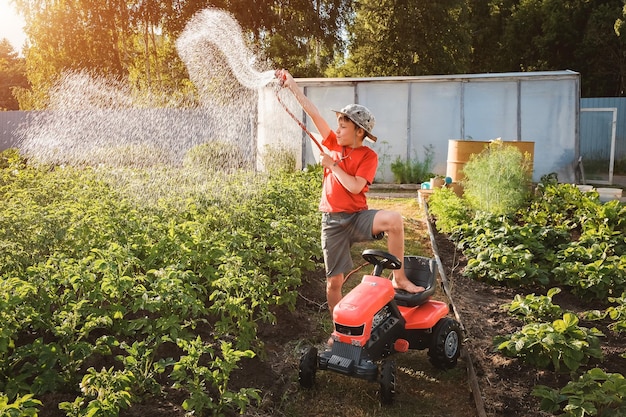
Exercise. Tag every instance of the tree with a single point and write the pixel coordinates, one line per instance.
(408, 37)
(542, 35)
(12, 75)
(135, 39)
(122, 39)
(306, 35)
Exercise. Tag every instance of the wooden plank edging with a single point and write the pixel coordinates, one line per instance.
(471, 373)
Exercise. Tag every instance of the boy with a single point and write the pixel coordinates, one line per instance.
(349, 169)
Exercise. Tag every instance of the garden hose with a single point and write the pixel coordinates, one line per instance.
(297, 120)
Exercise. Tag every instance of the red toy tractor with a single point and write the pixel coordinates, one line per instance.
(373, 321)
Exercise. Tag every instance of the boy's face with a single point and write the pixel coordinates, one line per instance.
(348, 133)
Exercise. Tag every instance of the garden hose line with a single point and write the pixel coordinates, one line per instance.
(296, 119)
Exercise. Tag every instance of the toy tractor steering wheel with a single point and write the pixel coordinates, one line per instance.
(381, 260)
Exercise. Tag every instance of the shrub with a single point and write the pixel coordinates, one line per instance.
(498, 179)
(413, 171)
(449, 210)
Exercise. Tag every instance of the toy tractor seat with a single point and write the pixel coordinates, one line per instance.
(421, 271)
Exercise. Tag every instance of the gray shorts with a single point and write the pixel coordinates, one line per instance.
(339, 232)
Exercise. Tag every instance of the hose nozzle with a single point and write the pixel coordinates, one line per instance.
(280, 76)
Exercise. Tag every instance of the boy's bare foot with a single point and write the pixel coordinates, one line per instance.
(408, 286)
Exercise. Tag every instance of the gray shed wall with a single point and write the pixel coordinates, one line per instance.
(415, 112)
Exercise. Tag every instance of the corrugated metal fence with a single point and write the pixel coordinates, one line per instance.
(10, 124)
(595, 129)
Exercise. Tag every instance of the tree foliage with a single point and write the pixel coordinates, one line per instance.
(12, 75)
(408, 37)
(135, 39)
(542, 35)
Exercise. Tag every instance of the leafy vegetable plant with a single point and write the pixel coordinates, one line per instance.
(562, 342)
(113, 266)
(594, 393)
(533, 308)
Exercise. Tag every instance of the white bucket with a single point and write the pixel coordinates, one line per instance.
(584, 188)
(608, 194)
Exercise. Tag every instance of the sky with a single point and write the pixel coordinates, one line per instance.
(11, 25)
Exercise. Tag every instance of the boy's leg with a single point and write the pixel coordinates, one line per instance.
(334, 294)
(336, 250)
(334, 285)
(391, 222)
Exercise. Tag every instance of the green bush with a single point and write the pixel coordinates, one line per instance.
(498, 179)
(449, 210)
(413, 171)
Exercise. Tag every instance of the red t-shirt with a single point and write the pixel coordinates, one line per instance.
(361, 162)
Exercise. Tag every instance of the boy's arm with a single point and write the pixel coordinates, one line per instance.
(352, 183)
(307, 105)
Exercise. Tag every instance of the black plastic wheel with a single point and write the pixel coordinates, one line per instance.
(445, 346)
(308, 367)
(387, 382)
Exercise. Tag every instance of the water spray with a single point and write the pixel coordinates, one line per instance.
(220, 29)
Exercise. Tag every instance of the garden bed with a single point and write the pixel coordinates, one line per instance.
(505, 383)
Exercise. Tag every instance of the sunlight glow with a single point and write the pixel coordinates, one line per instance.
(11, 25)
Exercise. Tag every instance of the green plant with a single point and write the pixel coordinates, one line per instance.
(500, 250)
(561, 342)
(449, 210)
(208, 385)
(534, 308)
(142, 363)
(594, 393)
(23, 406)
(90, 267)
(216, 156)
(110, 392)
(278, 159)
(413, 171)
(562, 205)
(498, 179)
(617, 313)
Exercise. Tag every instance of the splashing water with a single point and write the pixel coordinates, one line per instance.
(213, 28)
(97, 121)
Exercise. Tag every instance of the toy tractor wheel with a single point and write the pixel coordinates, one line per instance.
(445, 346)
(308, 367)
(387, 382)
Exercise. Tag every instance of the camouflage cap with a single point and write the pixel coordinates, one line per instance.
(361, 116)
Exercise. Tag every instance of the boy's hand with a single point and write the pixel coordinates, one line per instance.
(326, 161)
(284, 77)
